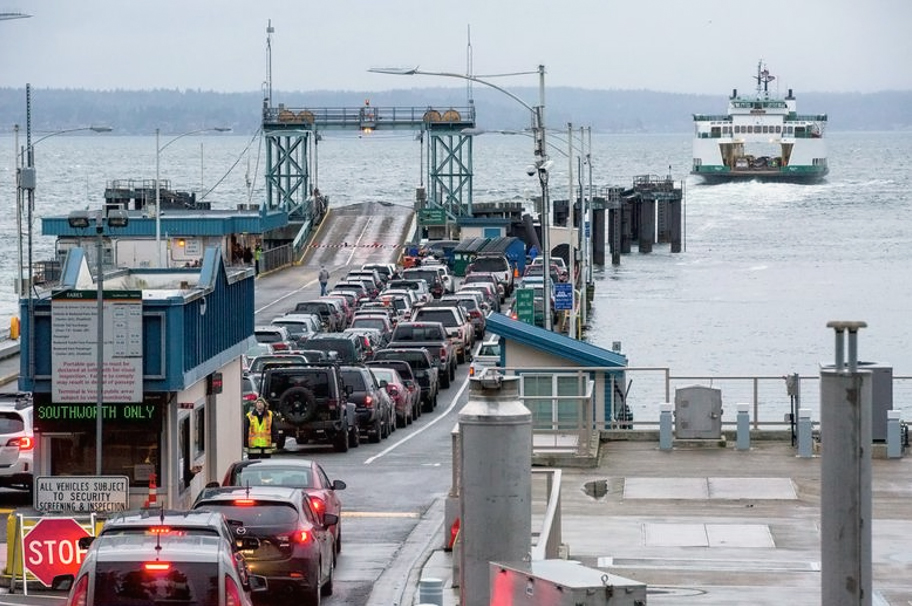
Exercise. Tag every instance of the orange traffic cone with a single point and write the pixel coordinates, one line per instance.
(454, 536)
(515, 272)
(152, 501)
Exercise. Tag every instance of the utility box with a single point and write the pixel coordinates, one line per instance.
(698, 413)
(561, 583)
(881, 396)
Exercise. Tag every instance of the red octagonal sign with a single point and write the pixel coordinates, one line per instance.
(51, 548)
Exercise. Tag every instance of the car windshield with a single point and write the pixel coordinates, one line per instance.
(417, 333)
(273, 475)
(490, 264)
(316, 381)
(354, 379)
(414, 358)
(444, 315)
(11, 422)
(378, 323)
(256, 513)
(131, 584)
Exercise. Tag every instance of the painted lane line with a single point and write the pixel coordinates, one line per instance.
(392, 447)
(360, 237)
(285, 296)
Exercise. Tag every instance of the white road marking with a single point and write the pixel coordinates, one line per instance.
(392, 447)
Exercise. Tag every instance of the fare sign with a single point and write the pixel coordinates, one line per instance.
(52, 548)
(68, 495)
(525, 305)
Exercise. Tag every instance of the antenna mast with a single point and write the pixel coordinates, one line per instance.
(469, 66)
(269, 31)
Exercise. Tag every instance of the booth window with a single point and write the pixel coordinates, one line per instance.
(127, 452)
(199, 426)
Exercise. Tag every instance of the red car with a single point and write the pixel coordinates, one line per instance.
(406, 400)
(295, 473)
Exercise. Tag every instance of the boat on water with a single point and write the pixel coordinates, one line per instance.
(763, 137)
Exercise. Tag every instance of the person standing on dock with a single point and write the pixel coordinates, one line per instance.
(324, 279)
(257, 254)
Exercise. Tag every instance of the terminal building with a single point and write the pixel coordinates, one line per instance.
(173, 340)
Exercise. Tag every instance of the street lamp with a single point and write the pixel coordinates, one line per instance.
(542, 164)
(81, 219)
(26, 181)
(158, 150)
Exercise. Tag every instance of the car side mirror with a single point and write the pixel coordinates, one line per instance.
(258, 583)
(339, 485)
(330, 519)
(84, 543)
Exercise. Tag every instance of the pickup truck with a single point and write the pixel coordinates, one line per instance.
(433, 337)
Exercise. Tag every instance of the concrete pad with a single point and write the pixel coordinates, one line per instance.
(363, 561)
(665, 488)
(752, 488)
(754, 536)
(675, 535)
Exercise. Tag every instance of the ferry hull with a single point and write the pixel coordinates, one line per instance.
(764, 176)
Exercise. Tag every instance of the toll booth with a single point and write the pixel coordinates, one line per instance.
(171, 374)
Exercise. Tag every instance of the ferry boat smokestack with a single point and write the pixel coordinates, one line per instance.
(734, 93)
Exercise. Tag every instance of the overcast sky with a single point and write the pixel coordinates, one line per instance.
(699, 46)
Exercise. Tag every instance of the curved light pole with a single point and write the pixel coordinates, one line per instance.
(158, 150)
(542, 164)
(26, 180)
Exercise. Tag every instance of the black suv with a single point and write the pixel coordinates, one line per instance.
(423, 367)
(347, 347)
(311, 404)
(373, 408)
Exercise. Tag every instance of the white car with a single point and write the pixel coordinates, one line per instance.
(488, 356)
(17, 442)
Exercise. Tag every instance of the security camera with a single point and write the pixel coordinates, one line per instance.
(546, 166)
(531, 170)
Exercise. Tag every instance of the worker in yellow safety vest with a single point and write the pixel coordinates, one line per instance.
(260, 431)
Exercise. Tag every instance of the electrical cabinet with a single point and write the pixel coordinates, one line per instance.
(561, 583)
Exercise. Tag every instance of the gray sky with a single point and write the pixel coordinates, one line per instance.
(700, 46)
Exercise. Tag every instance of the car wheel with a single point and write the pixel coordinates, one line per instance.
(312, 597)
(339, 539)
(298, 405)
(354, 438)
(341, 440)
(461, 356)
(376, 432)
(327, 589)
(452, 373)
(445, 380)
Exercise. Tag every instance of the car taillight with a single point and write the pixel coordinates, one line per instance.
(244, 502)
(474, 313)
(318, 504)
(280, 346)
(250, 397)
(232, 592)
(332, 404)
(368, 401)
(80, 592)
(443, 353)
(22, 442)
(157, 566)
(303, 536)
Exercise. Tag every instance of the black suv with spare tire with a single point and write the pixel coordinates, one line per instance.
(311, 405)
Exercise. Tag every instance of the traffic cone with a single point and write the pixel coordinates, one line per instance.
(152, 501)
(454, 536)
(515, 272)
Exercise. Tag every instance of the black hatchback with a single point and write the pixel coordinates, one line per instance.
(296, 551)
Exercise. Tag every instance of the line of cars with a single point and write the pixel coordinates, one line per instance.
(377, 364)
(271, 531)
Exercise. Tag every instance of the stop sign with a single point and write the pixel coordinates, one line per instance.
(51, 548)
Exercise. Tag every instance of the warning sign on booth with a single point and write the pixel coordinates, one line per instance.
(81, 494)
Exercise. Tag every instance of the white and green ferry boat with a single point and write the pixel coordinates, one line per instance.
(762, 138)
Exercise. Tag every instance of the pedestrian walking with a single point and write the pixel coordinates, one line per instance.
(260, 430)
(324, 279)
(257, 255)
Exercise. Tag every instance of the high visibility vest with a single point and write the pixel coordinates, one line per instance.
(259, 432)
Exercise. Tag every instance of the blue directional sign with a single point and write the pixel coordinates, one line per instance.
(563, 296)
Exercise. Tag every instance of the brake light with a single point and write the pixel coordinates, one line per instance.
(443, 353)
(159, 530)
(250, 397)
(22, 442)
(332, 404)
(318, 504)
(474, 313)
(368, 401)
(303, 536)
(280, 346)
(80, 592)
(232, 593)
(156, 566)
(244, 502)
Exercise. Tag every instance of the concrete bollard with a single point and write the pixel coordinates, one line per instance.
(894, 434)
(805, 434)
(665, 424)
(743, 419)
(430, 591)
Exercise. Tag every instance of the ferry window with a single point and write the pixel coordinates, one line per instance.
(791, 130)
(778, 129)
(766, 129)
(750, 129)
